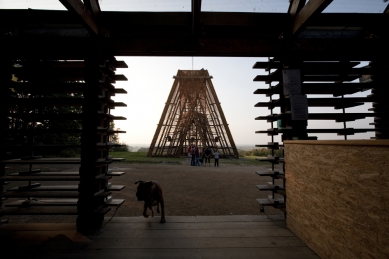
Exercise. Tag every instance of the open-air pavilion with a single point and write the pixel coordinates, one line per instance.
(334, 193)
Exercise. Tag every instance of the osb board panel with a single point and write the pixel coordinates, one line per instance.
(338, 199)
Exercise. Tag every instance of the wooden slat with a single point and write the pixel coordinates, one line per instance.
(38, 102)
(120, 78)
(337, 103)
(45, 131)
(39, 178)
(271, 145)
(46, 211)
(338, 117)
(58, 161)
(379, 143)
(271, 159)
(115, 173)
(39, 211)
(57, 202)
(115, 202)
(58, 87)
(270, 187)
(273, 174)
(321, 88)
(47, 202)
(109, 173)
(48, 194)
(317, 65)
(119, 64)
(119, 91)
(340, 131)
(307, 78)
(61, 188)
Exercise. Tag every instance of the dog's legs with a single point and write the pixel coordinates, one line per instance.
(145, 211)
(162, 211)
(152, 212)
(158, 207)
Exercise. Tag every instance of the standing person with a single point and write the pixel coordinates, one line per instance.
(192, 152)
(216, 155)
(207, 156)
(202, 157)
(197, 157)
(189, 154)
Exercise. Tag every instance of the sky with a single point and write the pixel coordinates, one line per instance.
(151, 78)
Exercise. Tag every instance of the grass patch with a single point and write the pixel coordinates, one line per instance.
(142, 158)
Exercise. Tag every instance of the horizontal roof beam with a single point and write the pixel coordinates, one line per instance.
(305, 49)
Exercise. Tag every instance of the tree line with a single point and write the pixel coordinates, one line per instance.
(261, 152)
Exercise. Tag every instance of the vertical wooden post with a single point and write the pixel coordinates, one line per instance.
(87, 220)
(4, 94)
(380, 105)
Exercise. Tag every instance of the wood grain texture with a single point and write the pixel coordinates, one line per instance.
(137, 237)
(338, 199)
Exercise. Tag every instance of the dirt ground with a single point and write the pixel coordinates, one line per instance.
(188, 190)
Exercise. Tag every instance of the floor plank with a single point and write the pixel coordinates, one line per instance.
(235, 236)
(199, 243)
(163, 233)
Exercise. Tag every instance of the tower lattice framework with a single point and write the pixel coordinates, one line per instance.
(192, 115)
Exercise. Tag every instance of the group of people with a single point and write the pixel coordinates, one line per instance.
(201, 158)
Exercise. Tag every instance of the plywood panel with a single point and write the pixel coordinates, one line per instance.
(337, 198)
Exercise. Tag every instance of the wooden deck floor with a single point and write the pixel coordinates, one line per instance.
(137, 237)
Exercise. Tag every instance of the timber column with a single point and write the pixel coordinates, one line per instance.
(91, 186)
(380, 104)
(5, 93)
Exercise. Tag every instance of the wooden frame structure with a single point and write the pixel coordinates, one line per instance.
(94, 37)
(192, 116)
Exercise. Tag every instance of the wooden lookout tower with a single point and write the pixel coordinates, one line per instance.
(192, 115)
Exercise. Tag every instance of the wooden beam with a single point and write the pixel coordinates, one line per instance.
(302, 18)
(94, 7)
(295, 7)
(83, 12)
(305, 49)
(386, 11)
(196, 10)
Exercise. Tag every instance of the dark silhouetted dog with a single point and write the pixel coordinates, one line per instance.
(151, 193)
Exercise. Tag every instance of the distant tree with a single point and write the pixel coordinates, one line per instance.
(115, 137)
(143, 149)
(261, 152)
(122, 148)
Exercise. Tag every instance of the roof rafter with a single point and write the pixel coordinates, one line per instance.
(295, 7)
(387, 9)
(83, 12)
(302, 18)
(93, 6)
(196, 10)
